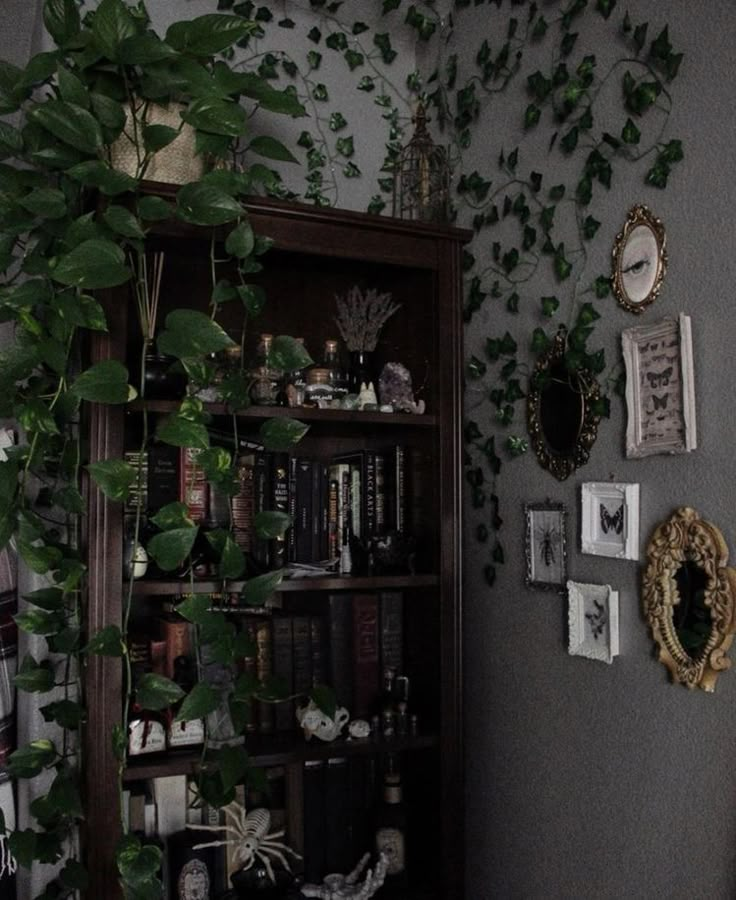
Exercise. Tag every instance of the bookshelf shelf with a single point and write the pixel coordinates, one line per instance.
(329, 583)
(278, 750)
(338, 630)
(332, 417)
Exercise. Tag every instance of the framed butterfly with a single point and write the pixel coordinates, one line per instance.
(659, 379)
(612, 521)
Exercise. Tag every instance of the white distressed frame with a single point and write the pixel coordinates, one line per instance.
(602, 502)
(592, 615)
(635, 341)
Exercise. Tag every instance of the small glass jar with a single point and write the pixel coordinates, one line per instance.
(318, 391)
(266, 379)
(337, 376)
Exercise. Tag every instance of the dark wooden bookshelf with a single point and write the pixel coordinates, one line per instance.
(152, 587)
(277, 750)
(316, 254)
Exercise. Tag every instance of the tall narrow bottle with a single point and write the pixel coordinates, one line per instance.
(390, 830)
(265, 377)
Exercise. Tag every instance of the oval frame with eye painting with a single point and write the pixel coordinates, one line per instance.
(639, 260)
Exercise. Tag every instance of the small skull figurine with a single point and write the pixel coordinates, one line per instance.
(314, 722)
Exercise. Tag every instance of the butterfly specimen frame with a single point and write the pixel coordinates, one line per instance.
(660, 391)
(610, 519)
(546, 546)
(592, 618)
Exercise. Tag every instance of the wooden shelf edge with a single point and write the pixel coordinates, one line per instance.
(332, 416)
(289, 585)
(279, 751)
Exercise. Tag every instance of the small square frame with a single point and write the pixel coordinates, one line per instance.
(592, 615)
(546, 546)
(610, 519)
(660, 392)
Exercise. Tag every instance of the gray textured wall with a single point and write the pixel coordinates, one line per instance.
(586, 780)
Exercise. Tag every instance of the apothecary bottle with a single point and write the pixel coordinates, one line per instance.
(266, 379)
(390, 825)
(337, 377)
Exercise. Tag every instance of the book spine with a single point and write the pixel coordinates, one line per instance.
(356, 500)
(192, 485)
(260, 504)
(314, 821)
(365, 654)
(242, 505)
(264, 670)
(175, 633)
(292, 532)
(283, 667)
(302, 650)
(249, 667)
(279, 502)
(392, 631)
(303, 519)
(317, 645)
(337, 820)
(324, 511)
(138, 489)
(339, 657)
(380, 493)
(163, 475)
(333, 527)
(369, 493)
(400, 522)
(316, 512)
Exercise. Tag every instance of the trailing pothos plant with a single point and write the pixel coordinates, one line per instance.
(72, 224)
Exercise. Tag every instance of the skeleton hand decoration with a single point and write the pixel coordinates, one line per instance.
(345, 887)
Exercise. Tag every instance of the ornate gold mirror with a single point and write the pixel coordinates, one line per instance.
(688, 595)
(561, 418)
(639, 260)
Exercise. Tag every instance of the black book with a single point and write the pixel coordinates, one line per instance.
(163, 476)
(314, 821)
(279, 502)
(303, 512)
(261, 481)
(337, 816)
(283, 668)
(340, 648)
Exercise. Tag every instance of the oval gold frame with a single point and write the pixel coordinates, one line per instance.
(638, 216)
(682, 537)
(562, 465)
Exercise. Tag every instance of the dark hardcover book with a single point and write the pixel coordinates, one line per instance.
(243, 510)
(362, 794)
(264, 669)
(365, 655)
(278, 502)
(283, 668)
(291, 533)
(303, 515)
(396, 489)
(261, 481)
(340, 649)
(316, 512)
(314, 821)
(369, 493)
(351, 467)
(193, 491)
(324, 511)
(302, 653)
(248, 665)
(333, 530)
(392, 631)
(317, 646)
(337, 816)
(380, 493)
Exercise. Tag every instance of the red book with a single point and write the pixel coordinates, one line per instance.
(193, 486)
(365, 654)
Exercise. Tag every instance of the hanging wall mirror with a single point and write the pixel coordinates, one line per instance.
(561, 416)
(688, 595)
(639, 260)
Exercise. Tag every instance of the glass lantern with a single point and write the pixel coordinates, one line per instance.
(422, 176)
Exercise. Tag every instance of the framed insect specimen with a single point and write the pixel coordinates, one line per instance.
(660, 392)
(546, 546)
(610, 519)
(592, 618)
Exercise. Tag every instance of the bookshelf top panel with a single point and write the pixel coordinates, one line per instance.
(328, 583)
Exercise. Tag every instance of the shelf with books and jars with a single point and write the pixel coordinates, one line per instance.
(343, 613)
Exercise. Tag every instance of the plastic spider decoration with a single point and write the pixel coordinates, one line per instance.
(249, 833)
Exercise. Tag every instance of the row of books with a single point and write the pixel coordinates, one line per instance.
(364, 494)
(347, 646)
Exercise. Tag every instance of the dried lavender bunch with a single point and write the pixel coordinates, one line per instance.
(360, 317)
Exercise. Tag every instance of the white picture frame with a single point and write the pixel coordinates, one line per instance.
(546, 546)
(660, 391)
(609, 521)
(592, 615)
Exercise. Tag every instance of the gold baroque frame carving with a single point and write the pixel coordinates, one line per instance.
(626, 268)
(562, 465)
(681, 538)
